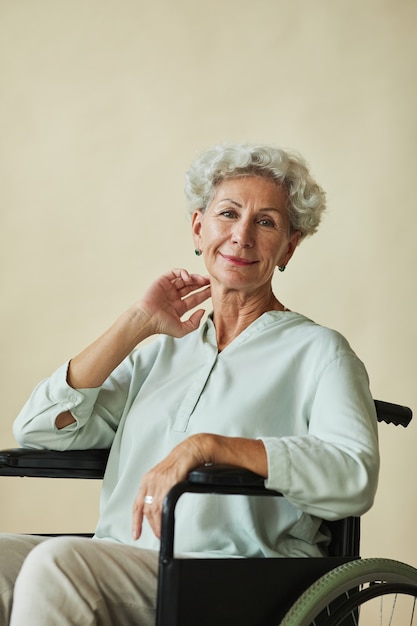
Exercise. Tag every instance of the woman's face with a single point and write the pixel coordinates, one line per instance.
(244, 233)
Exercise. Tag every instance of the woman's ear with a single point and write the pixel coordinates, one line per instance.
(196, 222)
(292, 244)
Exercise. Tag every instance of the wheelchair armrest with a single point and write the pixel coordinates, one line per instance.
(225, 475)
(218, 479)
(53, 464)
(227, 479)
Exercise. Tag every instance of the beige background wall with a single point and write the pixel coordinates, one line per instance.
(103, 105)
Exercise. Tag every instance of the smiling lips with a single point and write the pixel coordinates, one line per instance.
(235, 260)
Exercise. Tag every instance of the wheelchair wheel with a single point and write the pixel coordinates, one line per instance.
(363, 592)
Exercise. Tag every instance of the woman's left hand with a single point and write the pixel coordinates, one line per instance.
(196, 450)
(159, 480)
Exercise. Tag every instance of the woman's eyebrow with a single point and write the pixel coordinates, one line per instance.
(241, 205)
(232, 201)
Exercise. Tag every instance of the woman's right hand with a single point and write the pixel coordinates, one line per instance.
(158, 312)
(172, 296)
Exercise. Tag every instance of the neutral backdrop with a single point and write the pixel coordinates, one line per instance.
(103, 105)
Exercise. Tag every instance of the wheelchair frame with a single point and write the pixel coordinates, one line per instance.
(265, 592)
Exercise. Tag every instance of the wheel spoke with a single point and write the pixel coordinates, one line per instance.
(393, 609)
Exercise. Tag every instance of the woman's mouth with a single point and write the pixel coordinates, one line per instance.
(236, 260)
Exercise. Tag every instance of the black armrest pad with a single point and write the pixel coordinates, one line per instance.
(225, 475)
(53, 464)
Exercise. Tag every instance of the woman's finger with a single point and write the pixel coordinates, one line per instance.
(153, 513)
(197, 297)
(147, 506)
(137, 518)
(185, 287)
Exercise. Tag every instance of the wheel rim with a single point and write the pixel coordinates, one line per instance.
(345, 580)
(348, 608)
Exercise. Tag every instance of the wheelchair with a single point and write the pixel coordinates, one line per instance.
(340, 589)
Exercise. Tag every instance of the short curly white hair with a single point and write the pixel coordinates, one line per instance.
(306, 199)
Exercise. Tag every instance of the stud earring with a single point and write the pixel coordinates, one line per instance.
(282, 268)
(198, 252)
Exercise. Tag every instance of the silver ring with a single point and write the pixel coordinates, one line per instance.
(148, 499)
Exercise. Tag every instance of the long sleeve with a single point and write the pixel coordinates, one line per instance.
(95, 423)
(332, 470)
(97, 411)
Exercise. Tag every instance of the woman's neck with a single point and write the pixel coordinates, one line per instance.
(233, 312)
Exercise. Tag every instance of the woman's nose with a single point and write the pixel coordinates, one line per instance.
(242, 235)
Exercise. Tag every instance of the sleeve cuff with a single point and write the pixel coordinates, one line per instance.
(80, 402)
(279, 468)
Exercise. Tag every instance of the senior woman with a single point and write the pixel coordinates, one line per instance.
(256, 385)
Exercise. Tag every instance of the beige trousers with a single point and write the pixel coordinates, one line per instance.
(75, 581)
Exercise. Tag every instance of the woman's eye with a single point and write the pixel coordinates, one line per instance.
(228, 213)
(266, 222)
